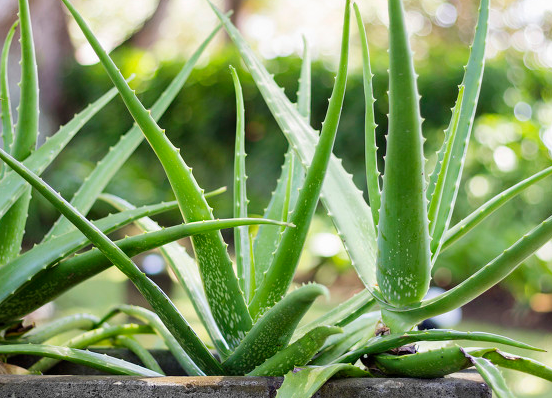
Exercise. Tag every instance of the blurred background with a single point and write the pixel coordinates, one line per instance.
(511, 139)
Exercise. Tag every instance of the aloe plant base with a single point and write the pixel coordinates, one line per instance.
(88, 383)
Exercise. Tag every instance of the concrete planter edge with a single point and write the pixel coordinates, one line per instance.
(88, 384)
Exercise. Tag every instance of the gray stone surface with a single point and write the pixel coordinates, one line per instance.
(92, 384)
(461, 385)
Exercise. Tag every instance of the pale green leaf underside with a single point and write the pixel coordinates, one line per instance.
(91, 337)
(92, 359)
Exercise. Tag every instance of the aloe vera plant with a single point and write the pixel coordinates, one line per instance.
(251, 319)
(248, 322)
(394, 244)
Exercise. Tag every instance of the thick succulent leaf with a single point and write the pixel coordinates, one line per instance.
(444, 163)
(273, 331)
(342, 198)
(380, 344)
(280, 274)
(371, 149)
(242, 242)
(12, 186)
(492, 376)
(12, 224)
(267, 237)
(12, 228)
(485, 210)
(142, 353)
(23, 268)
(304, 382)
(404, 258)
(515, 362)
(185, 270)
(428, 364)
(70, 322)
(104, 171)
(444, 152)
(7, 123)
(221, 284)
(284, 197)
(451, 173)
(26, 130)
(97, 361)
(478, 283)
(155, 323)
(89, 338)
(353, 333)
(52, 282)
(296, 354)
(359, 304)
(168, 313)
(304, 92)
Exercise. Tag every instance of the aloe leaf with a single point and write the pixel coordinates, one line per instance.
(359, 304)
(371, 149)
(267, 238)
(515, 362)
(444, 163)
(26, 130)
(468, 95)
(89, 338)
(75, 321)
(478, 283)
(306, 381)
(304, 92)
(291, 179)
(340, 196)
(168, 313)
(19, 271)
(221, 285)
(296, 354)
(296, 177)
(97, 361)
(353, 333)
(404, 258)
(428, 364)
(485, 210)
(104, 171)
(54, 281)
(445, 150)
(12, 224)
(492, 376)
(137, 349)
(273, 330)
(12, 186)
(381, 344)
(156, 324)
(242, 244)
(281, 271)
(7, 123)
(185, 270)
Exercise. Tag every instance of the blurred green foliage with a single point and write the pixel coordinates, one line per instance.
(202, 124)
